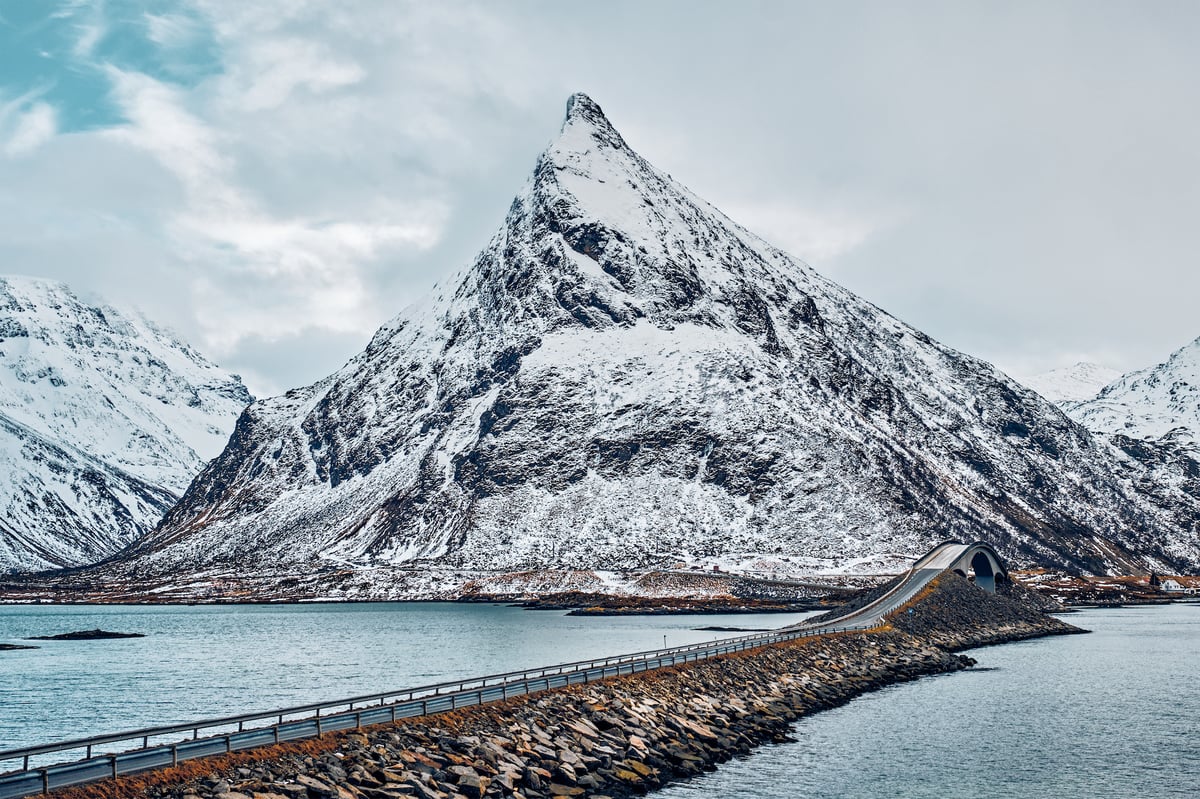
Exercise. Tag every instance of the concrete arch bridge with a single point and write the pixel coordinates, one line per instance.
(977, 561)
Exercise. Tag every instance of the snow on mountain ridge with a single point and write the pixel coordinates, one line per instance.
(107, 418)
(624, 377)
(1072, 384)
(1159, 402)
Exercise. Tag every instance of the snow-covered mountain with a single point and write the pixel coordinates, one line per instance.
(1160, 403)
(1072, 384)
(104, 420)
(626, 377)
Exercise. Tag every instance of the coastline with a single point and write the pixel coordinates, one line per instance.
(654, 591)
(619, 737)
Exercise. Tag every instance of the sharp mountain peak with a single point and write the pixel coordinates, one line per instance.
(624, 377)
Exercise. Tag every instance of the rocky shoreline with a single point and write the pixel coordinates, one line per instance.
(616, 738)
(424, 584)
(581, 604)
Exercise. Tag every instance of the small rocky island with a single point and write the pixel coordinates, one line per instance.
(85, 635)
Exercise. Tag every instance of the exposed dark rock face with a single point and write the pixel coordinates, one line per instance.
(625, 377)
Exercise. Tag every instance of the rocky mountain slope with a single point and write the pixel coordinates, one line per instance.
(626, 377)
(1072, 384)
(104, 420)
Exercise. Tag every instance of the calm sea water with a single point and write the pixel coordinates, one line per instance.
(1111, 714)
(207, 661)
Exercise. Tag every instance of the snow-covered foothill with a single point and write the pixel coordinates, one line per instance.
(105, 418)
(1156, 403)
(1072, 384)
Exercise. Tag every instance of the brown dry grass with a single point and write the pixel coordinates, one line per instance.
(920, 596)
(195, 769)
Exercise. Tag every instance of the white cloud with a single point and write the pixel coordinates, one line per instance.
(91, 25)
(318, 165)
(172, 31)
(275, 68)
(160, 124)
(809, 234)
(330, 161)
(259, 271)
(23, 131)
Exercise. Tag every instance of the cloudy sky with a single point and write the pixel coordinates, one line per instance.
(274, 179)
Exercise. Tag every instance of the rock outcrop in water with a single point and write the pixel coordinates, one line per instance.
(86, 635)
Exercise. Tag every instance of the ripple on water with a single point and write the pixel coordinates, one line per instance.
(207, 661)
(1112, 714)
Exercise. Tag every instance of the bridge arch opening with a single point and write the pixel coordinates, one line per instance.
(985, 574)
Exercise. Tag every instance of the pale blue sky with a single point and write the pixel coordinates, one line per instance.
(57, 51)
(275, 179)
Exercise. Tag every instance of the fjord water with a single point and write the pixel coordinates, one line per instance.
(209, 661)
(1111, 714)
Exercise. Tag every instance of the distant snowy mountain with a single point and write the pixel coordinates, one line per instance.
(625, 377)
(1160, 403)
(1072, 384)
(104, 420)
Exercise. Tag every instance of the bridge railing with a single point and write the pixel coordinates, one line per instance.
(219, 736)
(875, 603)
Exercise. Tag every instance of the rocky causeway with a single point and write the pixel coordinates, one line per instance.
(620, 737)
